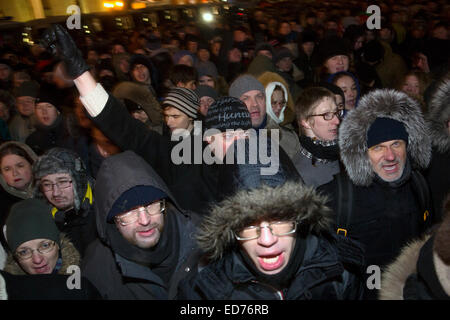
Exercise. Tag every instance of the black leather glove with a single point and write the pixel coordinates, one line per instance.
(59, 40)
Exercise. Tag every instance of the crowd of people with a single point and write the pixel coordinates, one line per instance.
(120, 157)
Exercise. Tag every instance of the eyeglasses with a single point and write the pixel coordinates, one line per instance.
(27, 253)
(329, 115)
(280, 228)
(152, 209)
(62, 184)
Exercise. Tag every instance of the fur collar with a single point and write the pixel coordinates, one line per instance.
(394, 278)
(70, 256)
(291, 201)
(439, 115)
(353, 132)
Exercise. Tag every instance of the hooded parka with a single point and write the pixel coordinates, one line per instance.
(121, 276)
(321, 274)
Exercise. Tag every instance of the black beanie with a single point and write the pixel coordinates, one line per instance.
(28, 220)
(50, 94)
(228, 113)
(385, 129)
(134, 197)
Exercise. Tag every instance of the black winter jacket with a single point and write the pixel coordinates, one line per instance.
(321, 276)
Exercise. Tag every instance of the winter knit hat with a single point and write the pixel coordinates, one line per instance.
(28, 89)
(60, 160)
(28, 220)
(207, 68)
(134, 197)
(282, 52)
(184, 100)
(50, 94)
(385, 129)
(228, 113)
(206, 91)
(332, 46)
(244, 84)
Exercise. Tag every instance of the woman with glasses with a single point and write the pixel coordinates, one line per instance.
(37, 246)
(318, 118)
(272, 243)
(16, 177)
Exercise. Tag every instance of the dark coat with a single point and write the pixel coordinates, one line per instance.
(56, 135)
(384, 218)
(323, 273)
(115, 276)
(193, 185)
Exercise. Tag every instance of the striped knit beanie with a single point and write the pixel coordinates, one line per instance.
(184, 100)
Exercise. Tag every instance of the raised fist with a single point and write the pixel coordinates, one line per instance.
(60, 42)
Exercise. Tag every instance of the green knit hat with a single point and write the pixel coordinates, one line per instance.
(28, 220)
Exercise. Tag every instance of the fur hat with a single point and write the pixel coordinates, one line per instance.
(290, 201)
(60, 160)
(439, 115)
(244, 84)
(383, 103)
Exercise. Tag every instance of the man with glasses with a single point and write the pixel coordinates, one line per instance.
(61, 178)
(146, 243)
(318, 119)
(273, 242)
(381, 199)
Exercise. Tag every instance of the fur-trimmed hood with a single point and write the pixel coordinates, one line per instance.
(385, 103)
(439, 115)
(70, 256)
(394, 278)
(290, 201)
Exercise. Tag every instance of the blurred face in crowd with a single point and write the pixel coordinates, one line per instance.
(203, 55)
(118, 48)
(348, 86)
(186, 60)
(141, 73)
(58, 189)
(5, 72)
(20, 77)
(337, 63)
(388, 159)
(16, 171)
(440, 33)
(266, 53)
(278, 101)
(285, 64)
(255, 101)
(25, 105)
(43, 259)
(316, 126)
(175, 119)
(146, 231)
(4, 112)
(270, 253)
(46, 113)
(358, 43)
(192, 46)
(339, 101)
(239, 36)
(411, 86)
(205, 103)
(284, 29)
(308, 48)
(206, 81)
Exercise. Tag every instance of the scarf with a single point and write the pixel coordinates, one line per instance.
(161, 259)
(319, 151)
